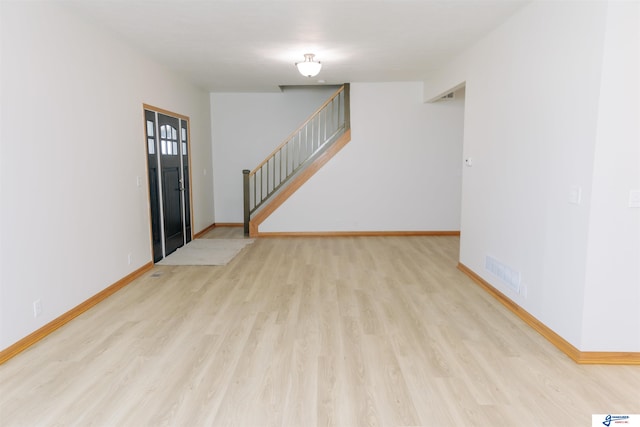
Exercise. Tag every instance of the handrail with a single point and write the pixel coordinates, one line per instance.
(292, 134)
(312, 137)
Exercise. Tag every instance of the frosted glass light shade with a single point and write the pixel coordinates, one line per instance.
(309, 68)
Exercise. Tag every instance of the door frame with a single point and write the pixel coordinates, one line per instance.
(147, 107)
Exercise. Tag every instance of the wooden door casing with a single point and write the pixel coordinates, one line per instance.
(169, 183)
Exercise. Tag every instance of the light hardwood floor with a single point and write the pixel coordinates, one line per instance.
(343, 331)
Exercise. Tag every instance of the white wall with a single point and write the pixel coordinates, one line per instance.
(400, 172)
(247, 127)
(72, 147)
(612, 291)
(533, 89)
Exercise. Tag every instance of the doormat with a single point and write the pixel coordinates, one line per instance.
(206, 252)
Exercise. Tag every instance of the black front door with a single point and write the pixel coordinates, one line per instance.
(171, 183)
(167, 142)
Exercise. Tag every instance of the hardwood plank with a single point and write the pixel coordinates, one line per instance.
(381, 330)
(613, 358)
(62, 320)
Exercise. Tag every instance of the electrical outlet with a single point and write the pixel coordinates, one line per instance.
(37, 308)
(129, 257)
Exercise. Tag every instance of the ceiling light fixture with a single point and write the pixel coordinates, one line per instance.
(309, 68)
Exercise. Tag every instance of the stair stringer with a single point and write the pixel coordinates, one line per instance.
(297, 182)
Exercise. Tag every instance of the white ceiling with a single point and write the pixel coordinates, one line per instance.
(238, 45)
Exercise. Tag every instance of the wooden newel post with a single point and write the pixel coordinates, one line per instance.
(247, 208)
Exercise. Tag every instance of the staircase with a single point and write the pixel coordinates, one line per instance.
(294, 161)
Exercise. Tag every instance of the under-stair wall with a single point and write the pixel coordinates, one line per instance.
(238, 145)
(298, 157)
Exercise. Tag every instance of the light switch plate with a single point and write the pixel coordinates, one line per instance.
(634, 198)
(575, 195)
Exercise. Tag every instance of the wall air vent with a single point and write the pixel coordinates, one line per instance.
(447, 97)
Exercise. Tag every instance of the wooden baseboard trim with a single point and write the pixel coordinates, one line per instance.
(580, 357)
(41, 333)
(201, 233)
(609, 358)
(356, 233)
(217, 224)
